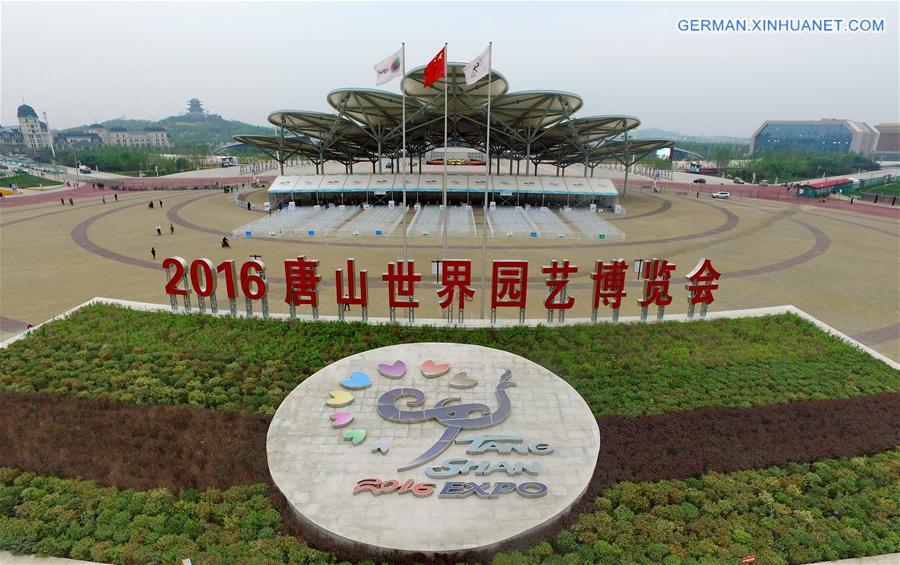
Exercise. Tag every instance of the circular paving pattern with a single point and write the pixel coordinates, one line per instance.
(432, 447)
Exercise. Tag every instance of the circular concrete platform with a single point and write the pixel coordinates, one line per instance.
(432, 447)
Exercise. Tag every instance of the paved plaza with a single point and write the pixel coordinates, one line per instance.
(839, 265)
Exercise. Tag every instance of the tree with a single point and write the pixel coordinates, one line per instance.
(722, 156)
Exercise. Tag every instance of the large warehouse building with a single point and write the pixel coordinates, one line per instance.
(888, 148)
(823, 136)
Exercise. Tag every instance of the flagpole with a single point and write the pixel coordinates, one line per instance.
(403, 149)
(446, 211)
(487, 162)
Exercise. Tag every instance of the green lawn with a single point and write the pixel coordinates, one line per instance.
(833, 509)
(890, 189)
(252, 364)
(27, 181)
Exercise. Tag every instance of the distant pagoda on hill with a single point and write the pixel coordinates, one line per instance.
(195, 110)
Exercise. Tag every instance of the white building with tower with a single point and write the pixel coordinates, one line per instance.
(35, 133)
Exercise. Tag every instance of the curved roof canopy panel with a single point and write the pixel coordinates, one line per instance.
(583, 132)
(461, 98)
(618, 149)
(368, 123)
(318, 125)
(373, 108)
(534, 109)
(302, 146)
(271, 144)
(327, 130)
(590, 129)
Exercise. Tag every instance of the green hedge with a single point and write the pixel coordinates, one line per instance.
(832, 509)
(78, 519)
(827, 510)
(252, 364)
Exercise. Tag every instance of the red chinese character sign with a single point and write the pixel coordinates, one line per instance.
(254, 286)
(556, 282)
(509, 287)
(351, 298)
(302, 284)
(203, 279)
(401, 278)
(657, 277)
(609, 287)
(179, 276)
(702, 282)
(228, 269)
(456, 278)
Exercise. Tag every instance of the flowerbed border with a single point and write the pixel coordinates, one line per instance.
(478, 323)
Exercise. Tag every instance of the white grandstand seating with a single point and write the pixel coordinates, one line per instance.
(503, 221)
(327, 221)
(279, 223)
(592, 225)
(429, 221)
(299, 221)
(373, 221)
(506, 221)
(548, 223)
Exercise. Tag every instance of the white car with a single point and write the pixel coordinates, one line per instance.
(721, 194)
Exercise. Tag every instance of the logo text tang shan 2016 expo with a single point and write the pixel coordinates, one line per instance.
(414, 431)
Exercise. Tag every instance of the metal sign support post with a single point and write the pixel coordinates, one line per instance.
(446, 210)
(403, 165)
(172, 300)
(187, 294)
(487, 165)
(265, 297)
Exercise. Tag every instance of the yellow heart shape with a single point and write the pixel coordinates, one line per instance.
(339, 399)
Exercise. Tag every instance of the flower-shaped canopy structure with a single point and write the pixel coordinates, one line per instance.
(539, 125)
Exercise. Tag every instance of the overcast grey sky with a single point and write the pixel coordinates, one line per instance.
(85, 62)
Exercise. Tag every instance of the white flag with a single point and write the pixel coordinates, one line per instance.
(390, 68)
(478, 68)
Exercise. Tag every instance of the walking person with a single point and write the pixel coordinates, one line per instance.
(150, 205)
(62, 201)
(158, 229)
(160, 203)
(116, 196)
(71, 202)
(171, 228)
(153, 252)
(104, 199)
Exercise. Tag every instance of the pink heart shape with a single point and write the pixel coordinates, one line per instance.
(393, 371)
(431, 369)
(340, 419)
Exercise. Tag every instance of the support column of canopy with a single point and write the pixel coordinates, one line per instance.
(281, 146)
(627, 158)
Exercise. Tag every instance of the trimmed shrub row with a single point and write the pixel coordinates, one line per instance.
(252, 364)
(827, 510)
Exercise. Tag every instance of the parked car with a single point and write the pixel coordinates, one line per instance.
(699, 181)
(738, 180)
(764, 182)
(721, 194)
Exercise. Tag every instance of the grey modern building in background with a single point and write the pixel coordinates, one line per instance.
(823, 136)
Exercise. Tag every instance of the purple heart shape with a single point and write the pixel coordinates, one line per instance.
(393, 371)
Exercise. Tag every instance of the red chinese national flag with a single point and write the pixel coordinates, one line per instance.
(435, 69)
